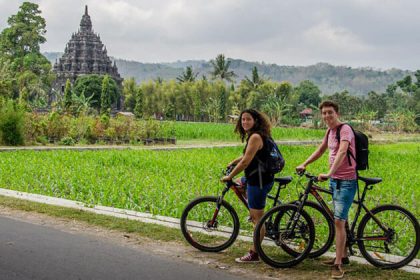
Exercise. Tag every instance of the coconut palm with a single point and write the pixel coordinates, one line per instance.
(188, 75)
(221, 69)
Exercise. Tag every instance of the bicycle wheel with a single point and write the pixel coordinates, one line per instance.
(391, 248)
(207, 229)
(279, 235)
(324, 230)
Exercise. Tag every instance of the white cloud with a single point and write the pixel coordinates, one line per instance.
(334, 38)
(377, 33)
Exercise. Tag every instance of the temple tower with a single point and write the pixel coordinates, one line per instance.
(84, 54)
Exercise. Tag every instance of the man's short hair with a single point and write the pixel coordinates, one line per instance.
(329, 103)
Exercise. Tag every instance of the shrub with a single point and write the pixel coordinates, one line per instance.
(67, 141)
(12, 120)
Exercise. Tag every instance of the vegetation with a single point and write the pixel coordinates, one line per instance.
(25, 73)
(26, 79)
(160, 183)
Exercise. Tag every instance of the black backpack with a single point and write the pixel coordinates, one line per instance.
(362, 148)
(275, 161)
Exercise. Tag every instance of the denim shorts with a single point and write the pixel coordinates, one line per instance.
(343, 195)
(256, 195)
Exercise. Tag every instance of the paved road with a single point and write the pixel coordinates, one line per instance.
(29, 251)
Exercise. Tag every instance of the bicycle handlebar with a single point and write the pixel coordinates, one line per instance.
(308, 175)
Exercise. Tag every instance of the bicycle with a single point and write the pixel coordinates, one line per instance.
(211, 224)
(384, 240)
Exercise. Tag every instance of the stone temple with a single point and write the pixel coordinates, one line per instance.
(84, 54)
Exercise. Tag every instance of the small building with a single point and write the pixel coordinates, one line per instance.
(306, 114)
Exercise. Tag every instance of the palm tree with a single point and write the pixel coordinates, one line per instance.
(187, 76)
(255, 81)
(221, 69)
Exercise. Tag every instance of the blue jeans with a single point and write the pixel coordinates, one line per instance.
(343, 195)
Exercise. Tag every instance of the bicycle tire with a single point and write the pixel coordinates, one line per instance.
(324, 230)
(198, 223)
(387, 259)
(279, 235)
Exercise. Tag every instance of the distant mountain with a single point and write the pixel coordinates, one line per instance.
(329, 78)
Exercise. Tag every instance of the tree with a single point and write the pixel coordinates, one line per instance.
(67, 95)
(20, 46)
(106, 96)
(6, 79)
(309, 93)
(255, 80)
(138, 109)
(129, 92)
(91, 85)
(221, 69)
(188, 75)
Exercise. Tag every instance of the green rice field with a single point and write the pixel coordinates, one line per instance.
(162, 182)
(224, 132)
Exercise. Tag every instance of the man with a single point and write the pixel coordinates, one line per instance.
(342, 175)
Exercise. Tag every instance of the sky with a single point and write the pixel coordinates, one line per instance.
(381, 34)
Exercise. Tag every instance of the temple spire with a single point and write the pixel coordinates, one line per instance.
(86, 23)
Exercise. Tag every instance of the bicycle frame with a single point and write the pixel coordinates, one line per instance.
(314, 190)
(234, 186)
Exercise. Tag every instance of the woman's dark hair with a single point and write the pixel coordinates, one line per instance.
(262, 125)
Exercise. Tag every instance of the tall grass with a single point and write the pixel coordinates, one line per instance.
(224, 132)
(162, 182)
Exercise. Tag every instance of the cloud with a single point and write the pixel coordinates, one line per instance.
(327, 37)
(377, 33)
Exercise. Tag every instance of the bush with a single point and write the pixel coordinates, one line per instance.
(67, 141)
(12, 120)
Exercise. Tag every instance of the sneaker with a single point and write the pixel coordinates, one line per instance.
(337, 272)
(250, 257)
(331, 262)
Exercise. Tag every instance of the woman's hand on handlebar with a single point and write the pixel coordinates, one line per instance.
(225, 179)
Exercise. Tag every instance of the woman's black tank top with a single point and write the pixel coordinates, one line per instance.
(251, 172)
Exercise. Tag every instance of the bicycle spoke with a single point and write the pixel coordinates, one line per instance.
(391, 247)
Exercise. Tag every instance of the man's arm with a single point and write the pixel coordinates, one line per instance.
(315, 155)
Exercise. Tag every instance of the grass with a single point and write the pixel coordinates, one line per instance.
(224, 132)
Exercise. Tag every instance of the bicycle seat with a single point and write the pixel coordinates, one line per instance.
(283, 180)
(370, 181)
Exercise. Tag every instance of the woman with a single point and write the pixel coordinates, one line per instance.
(255, 127)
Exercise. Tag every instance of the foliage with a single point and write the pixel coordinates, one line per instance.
(129, 92)
(309, 93)
(111, 178)
(11, 124)
(67, 95)
(106, 96)
(29, 72)
(221, 69)
(91, 85)
(188, 75)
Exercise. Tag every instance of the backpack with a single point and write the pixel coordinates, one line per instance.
(362, 148)
(275, 161)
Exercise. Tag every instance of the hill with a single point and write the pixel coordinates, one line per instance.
(329, 78)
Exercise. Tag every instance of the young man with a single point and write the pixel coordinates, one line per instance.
(342, 175)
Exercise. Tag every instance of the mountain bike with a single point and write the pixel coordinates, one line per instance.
(388, 236)
(211, 224)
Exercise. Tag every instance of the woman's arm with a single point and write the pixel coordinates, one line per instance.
(255, 143)
(235, 161)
